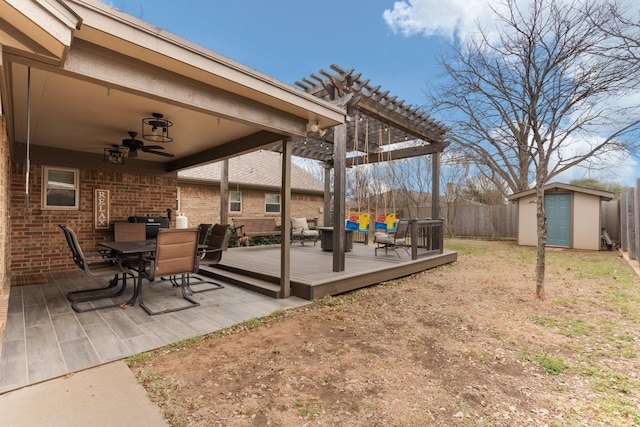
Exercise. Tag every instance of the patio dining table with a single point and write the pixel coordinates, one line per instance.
(133, 248)
(141, 248)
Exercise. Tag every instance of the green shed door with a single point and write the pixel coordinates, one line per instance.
(557, 208)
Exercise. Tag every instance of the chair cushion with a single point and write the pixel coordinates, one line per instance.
(299, 224)
(310, 233)
(386, 240)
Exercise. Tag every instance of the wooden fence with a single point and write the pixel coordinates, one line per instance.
(501, 221)
(630, 221)
(485, 221)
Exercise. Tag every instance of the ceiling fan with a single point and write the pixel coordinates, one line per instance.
(134, 145)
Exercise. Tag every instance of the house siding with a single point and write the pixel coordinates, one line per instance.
(201, 204)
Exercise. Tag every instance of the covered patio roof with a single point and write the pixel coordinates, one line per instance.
(82, 75)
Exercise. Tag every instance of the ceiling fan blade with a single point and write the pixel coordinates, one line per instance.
(152, 147)
(160, 153)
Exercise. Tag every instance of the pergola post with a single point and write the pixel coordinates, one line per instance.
(339, 184)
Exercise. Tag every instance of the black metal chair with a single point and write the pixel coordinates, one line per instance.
(217, 243)
(95, 265)
(176, 254)
(395, 240)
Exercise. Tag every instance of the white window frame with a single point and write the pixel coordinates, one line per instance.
(231, 201)
(267, 203)
(52, 185)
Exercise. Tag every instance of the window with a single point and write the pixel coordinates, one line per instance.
(235, 201)
(60, 188)
(272, 203)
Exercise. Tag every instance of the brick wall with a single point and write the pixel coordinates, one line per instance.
(38, 244)
(5, 242)
(202, 205)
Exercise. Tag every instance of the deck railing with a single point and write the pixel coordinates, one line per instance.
(427, 237)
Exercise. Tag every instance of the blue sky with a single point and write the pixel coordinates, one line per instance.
(396, 44)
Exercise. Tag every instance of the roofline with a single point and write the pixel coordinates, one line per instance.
(187, 57)
(604, 195)
(202, 182)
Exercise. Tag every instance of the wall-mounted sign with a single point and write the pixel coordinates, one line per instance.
(101, 209)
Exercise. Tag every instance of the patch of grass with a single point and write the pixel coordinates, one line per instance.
(551, 365)
(547, 322)
(140, 357)
(493, 333)
(573, 326)
(611, 383)
(564, 302)
(332, 301)
(179, 345)
(247, 325)
(619, 408)
(312, 409)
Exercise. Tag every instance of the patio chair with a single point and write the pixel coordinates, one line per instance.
(129, 232)
(204, 234)
(95, 265)
(176, 253)
(216, 242)
(300, 231)
(395, 240)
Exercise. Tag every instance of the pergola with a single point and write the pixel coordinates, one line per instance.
(407, 132)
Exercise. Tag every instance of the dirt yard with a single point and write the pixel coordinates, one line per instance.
(462, 345)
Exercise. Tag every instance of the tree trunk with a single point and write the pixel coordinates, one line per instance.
(542, 243)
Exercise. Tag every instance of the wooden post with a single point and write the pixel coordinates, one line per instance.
(285, 218)
(339, 184)
(224, 192)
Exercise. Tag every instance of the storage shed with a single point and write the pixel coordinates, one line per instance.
(573, 213)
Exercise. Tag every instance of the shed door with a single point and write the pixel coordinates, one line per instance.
(557, 208)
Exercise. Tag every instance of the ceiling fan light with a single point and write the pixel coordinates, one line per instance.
(156, 128)
(113, 155)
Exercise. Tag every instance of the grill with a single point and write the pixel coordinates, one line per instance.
(152, 223)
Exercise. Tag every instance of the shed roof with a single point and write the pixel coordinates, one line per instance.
(259, 168)
(557, 186)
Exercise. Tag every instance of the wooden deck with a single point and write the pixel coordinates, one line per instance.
(258, 268)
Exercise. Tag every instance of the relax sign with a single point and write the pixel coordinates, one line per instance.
(101, 209)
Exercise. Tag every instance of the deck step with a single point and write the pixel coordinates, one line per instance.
(255, 284)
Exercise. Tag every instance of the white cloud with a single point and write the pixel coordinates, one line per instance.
(438, 18)
(452, 18)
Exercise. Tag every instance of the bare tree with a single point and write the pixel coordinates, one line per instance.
(411, 180)
(539, 95)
